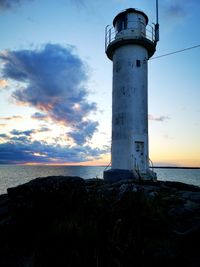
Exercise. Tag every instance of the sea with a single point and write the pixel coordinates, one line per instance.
(13, 175)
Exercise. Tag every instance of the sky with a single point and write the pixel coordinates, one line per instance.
(56, 82)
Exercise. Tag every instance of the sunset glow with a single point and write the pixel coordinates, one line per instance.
(56, 83)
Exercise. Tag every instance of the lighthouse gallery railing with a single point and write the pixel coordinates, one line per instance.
(111, 34)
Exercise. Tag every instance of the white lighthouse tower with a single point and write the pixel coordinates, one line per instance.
(129, 43)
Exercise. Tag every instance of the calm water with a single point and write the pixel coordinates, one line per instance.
(11, 175)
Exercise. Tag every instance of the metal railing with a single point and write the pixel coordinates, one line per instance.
(108, 166)
(111, 34)
(151, 164)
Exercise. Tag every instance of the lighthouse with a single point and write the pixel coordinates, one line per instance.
(129, 43)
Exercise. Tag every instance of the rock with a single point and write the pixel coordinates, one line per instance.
(186, 209)
(182, 186)
(194, 196)
(48, 184)
(67, 221)
(192, 206)
(125, 188)
(152, 195)
(3, 205)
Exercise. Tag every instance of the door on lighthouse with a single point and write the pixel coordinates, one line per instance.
(139, 156)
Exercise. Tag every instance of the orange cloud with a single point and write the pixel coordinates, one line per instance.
(3, 83)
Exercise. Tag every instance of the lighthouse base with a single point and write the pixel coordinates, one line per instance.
(114, 175)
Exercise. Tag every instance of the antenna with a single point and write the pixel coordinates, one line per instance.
(156, 11)
(157, 24)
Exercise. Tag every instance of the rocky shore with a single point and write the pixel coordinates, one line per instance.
(69, 221)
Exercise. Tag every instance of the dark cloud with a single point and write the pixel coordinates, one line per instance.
(20, 138)
(3, 135)
(54, 81)
(8, 4)
(160, 119)
(27, 133)
(22, 150)
(39, 116)
(83, 132)
(177, 9)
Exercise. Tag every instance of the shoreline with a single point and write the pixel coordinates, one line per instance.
(13, 175)
(176, 167)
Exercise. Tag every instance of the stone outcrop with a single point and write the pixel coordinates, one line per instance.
(68, 221)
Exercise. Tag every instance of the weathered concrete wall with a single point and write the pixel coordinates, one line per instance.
(130, 108)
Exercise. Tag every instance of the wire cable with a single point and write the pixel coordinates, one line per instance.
(175, 52)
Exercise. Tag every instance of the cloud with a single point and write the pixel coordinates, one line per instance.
(3, 135)
(19, 150)
(83, 132)
(3, 83)
(39, 116)
(177, 9)
(54, 81)
(160, 119)
(29, 132)
(22, 139)
(8, 4)
(43, 129)
(15, 117)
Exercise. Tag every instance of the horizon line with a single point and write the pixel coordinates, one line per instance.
(101, 165)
